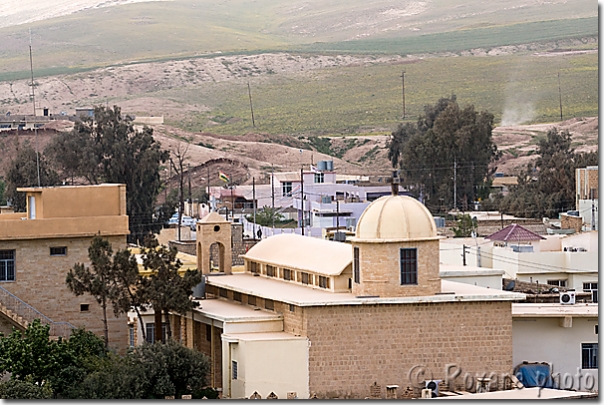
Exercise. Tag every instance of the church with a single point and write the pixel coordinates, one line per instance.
(310, 318)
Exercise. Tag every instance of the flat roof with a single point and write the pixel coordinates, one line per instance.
(252, 336)
(296, 294)
(526, 393)
(448, 270)
(230, 311)
(554, 310)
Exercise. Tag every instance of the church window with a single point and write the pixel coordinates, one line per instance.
(408, 266)
(356, 265)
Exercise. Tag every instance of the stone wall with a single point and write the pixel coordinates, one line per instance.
(352, 347)
(40, 281)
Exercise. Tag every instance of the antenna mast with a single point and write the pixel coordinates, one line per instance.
(33, 99)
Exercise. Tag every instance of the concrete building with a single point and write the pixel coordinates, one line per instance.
(565, 336)
(306, 317)
(39, 247)
(569, 261)
(587, 196)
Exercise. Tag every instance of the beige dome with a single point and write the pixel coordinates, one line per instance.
(395, 218)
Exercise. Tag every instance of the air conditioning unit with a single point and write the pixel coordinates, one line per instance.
(567, 298)
(432, 385)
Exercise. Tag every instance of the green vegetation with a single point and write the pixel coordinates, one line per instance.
(82, 368)
(350, 100)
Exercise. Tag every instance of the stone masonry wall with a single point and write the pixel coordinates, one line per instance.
(354, 346)
(40, 281)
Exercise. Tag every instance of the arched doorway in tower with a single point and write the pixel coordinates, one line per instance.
(217, 263)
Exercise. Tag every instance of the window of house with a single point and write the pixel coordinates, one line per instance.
(287, 274)
(589, 355)
(292, 308)
(593, 288)
(408, 266)
(84, 307)
(304, 278)
(323, 282)
(236, 296)
(131, 335)
(223, 293)
(286, 188)
(319, 178)
(356, 265)
(269, 304)
(58, 251)
(251, 299)
(270, 270)
(208, 332)
(150, 331)
(7, 265)
(557, 283)
(234, 369)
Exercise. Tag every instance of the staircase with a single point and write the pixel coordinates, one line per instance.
(23, 314)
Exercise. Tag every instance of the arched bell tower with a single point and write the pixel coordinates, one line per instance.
(213, 229)
(396, 250)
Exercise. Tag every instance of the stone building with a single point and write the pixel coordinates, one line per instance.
(39, 247)
(306, 317)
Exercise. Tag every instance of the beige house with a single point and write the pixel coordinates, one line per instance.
(39, 247)
(307, 317)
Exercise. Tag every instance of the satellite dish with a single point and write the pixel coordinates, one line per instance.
(510, 286)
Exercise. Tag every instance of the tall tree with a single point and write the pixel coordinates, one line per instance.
(445, 154)
(546, 186)
(96, 279)
(165, 289)
(107, 148)
(23, 172)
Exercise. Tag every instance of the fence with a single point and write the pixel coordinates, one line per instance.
(29, 313)
(249, 228)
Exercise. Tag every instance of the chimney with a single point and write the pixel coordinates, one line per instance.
(395, 182)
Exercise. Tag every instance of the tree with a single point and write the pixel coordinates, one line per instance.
(23, 172)
(165, 289)
(447, 142)
(266, 216)
(546, 187)
(29, 354)
(178, 166)
(20, 389)
(109, 149)
(465, 225)
(96, 279)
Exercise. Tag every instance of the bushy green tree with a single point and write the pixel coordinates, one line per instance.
(165, 289)
(108, 149)
(24, 389)
(546, 187)
(266, 216)
(465, 225)
(446, 141)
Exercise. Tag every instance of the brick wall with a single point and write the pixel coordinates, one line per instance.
(40, 281)
(354, 346)
(380, 271)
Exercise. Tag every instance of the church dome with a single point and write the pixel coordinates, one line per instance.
(395, 218)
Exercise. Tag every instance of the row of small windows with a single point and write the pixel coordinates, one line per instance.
(251, 299)
(408, 266)
(290, 275)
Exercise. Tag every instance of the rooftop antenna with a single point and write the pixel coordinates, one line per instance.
(33, 99)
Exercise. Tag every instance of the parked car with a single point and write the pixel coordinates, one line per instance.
(185, 221)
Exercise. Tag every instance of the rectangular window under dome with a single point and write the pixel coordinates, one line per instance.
(409, 266)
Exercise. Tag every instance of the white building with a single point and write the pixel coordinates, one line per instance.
(565, 336)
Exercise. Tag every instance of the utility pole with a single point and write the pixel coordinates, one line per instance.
(464, 254)
(455, 184)
(208, 200)
(337, 214)
(273, 194)
(254, 202)
(33, 99)
(190, 194)
(302, 195)
(403, 77)
(232, 202)
(593, 210)
(249, 91)
(560, 95)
